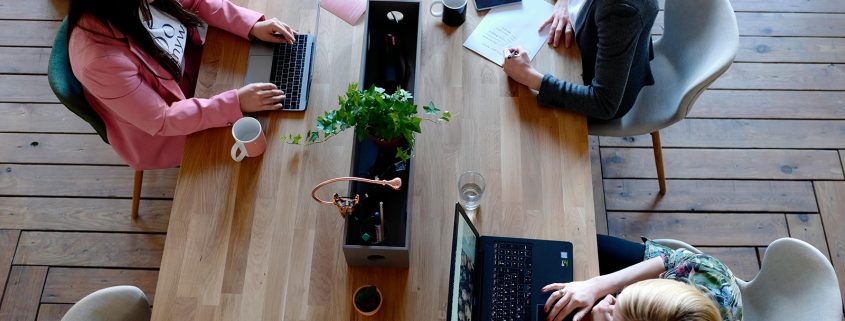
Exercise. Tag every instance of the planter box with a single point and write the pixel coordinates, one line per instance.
(368, 160)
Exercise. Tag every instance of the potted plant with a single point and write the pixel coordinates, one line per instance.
(367, 300)
(391, 120)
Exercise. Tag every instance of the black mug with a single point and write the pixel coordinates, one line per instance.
(454, 12)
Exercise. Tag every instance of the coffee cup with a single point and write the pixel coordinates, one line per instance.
(454, 12)
(249, 139)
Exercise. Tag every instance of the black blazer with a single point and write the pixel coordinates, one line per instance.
(616, 49)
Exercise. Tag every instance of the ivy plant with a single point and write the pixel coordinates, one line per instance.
(373, 112)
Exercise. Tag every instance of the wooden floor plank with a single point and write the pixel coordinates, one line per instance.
(842, 158)
(19, 60)
(69, 285)
(25, 89)
(722, 196)
(90, 249)
(57, 149)
(782, 76)
(743, 133)
(699, 228)
(88, 181)
(52, 312)
(741, 260)
(598, 187)
(8, 244)
(796, 50)
(780, 24)
(769, 104)
(77, 214)
(22, 293)
(724, 164)
(24, 33)
(821, 6)
(808, 228)
(33, 9)
(831, 197)
(42, 118)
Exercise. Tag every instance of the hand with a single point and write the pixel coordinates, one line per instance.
(568, 297)
(518, 66)
(560, 24)
(603, 311)
(260, 97)
(273, 30)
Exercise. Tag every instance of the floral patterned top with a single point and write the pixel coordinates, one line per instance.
(702, 271)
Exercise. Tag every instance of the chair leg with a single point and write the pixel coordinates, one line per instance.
(136, 193)
(658, 160)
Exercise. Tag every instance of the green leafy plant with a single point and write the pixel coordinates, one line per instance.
(373, 112)
(367, 299)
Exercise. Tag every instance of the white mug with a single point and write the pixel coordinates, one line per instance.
(249, 139)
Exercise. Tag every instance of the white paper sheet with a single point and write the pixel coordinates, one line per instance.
(511, 26)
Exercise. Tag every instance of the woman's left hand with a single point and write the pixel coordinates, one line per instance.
(273, 30)
(517, 65)
(603, 311)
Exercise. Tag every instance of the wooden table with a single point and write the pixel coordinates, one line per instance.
(247, 242)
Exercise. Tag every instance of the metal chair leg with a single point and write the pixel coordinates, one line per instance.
(658, 160)
(136, 193)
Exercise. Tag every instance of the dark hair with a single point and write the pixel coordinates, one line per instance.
(125, 16)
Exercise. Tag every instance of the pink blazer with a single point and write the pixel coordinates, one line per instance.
(146, 114)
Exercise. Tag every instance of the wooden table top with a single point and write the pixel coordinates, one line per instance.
(247, 242)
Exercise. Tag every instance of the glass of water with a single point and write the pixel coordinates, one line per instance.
(470, 186)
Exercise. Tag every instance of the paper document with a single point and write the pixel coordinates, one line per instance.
(511, 26)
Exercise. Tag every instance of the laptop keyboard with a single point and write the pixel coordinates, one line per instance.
(288, 71)
(512, 281)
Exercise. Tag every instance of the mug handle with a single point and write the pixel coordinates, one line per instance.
(437, 13)
(238, 146)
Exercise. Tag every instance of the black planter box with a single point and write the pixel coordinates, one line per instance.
(371, 161)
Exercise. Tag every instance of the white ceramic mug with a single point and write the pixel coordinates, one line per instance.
(249, 139)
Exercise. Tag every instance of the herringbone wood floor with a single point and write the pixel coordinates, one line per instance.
(760, 157)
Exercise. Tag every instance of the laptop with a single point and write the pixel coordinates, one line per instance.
(500, 278)
(289, 67)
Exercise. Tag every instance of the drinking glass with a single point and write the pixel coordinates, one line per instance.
(470, 187)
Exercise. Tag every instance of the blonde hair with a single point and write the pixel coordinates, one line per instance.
(664, 300)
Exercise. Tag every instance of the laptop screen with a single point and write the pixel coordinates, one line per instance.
(462, 301)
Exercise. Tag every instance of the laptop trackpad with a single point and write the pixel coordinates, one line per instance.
(258, 69)
(543, 316)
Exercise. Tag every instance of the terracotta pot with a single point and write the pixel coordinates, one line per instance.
(388, 144)
(374, 311)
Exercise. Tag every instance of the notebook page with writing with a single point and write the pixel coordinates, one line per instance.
(511, 26)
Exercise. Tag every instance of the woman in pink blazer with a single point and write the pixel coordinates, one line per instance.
(138, 59)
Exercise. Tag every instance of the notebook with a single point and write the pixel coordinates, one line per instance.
(348, 10)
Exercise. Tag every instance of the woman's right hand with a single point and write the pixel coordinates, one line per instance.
(561, 25)
(568, 297)
(260, 97)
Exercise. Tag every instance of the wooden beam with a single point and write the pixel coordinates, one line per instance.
(57, 149)
(808, 228)
(22, 293)
(724, 164)
(707, 195)
(41, 118)
(69, 285)
(90, 249)
(8, 244)
(88, 181)
(744, 133)
(22, 60)
(778, 104)
(23, 33)
(598, 186)
(25, 88)
(831, 197)
(80, 214)
(699, 228)
(782, 76)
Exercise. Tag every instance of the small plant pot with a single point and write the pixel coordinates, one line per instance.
(368, 307)
(385, 144)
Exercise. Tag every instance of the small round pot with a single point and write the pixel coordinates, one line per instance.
(373, 312)
(387, 144)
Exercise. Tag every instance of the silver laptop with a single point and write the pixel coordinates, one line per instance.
(286, 66)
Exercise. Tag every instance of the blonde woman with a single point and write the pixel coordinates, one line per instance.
(697, 283)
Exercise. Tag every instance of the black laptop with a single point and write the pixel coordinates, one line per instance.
(499, 278)
(289, 67)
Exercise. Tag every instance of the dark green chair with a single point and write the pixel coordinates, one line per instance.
(69, 91)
